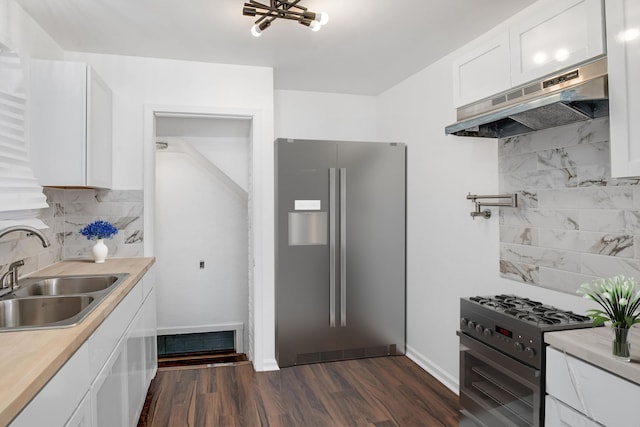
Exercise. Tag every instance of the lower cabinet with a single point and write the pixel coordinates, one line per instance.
(581, 394)
(557, 414)
(82, 416)
(104, 384)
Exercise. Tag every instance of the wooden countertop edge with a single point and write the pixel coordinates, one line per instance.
(593, 346)
(19, 387)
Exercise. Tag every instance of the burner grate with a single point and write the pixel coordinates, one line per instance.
(530, 310)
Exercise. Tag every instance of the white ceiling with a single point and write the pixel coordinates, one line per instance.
(367, 47)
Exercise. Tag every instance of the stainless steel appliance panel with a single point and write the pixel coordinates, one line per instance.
(302, 271)
(373, 261)
(342, 296)
(496, 390)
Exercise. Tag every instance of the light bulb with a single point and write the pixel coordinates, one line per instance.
(322, 18)
(628, 35)
(561, 55)
(540, 58)
(256, 31)
(315, 26)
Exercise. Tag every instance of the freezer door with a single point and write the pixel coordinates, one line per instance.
(372, 237)
(305, 288)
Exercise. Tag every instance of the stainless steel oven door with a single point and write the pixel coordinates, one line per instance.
(497, 390)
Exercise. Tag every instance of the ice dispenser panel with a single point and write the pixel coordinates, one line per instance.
(307, 228)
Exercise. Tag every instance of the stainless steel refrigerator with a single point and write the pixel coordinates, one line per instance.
(340, 250)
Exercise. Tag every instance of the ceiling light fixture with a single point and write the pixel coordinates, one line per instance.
(285, 10)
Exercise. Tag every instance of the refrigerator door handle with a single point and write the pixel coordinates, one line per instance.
(332, 247)
(343, 247)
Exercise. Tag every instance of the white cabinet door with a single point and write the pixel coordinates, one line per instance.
(565, 33)
(482, 72)
(59, 398)
(150, 337)
(70, 125)
(136, 374)
(109, 398)
(99, 140)
(623, 47)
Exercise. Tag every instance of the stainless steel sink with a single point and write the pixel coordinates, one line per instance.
(55, 301)
(65, 285)
(30, 312)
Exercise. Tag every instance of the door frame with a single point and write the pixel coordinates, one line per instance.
(259, 350)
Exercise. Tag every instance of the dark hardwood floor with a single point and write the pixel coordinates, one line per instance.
(381, 392)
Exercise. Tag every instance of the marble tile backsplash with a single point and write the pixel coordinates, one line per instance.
(574, 222)
(70, 210)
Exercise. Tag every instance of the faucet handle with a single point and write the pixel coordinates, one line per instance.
(14, 265)
(11, 275)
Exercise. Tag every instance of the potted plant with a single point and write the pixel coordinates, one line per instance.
(98, 231)
(620, 303)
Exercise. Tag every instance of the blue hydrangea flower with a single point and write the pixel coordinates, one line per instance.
(99, 230)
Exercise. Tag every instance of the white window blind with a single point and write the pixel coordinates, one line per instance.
(19, 190)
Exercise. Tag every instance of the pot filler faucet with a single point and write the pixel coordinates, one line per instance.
(10, 278)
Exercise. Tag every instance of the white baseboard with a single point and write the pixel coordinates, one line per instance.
(267, 365)
(434, 370)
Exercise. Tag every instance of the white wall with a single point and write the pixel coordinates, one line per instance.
(200, 218)
(331, 116)
(449, 255)
(19, 30)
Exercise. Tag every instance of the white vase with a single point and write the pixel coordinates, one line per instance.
(99, 251)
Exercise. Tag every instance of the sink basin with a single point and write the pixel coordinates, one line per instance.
(21, 312)
(66, 285)
(55, 301)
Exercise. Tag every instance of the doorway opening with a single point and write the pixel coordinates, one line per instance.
(202, 231)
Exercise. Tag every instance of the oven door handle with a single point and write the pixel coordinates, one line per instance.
(500, 362)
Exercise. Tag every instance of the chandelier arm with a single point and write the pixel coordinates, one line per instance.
(284, 15)
(276, 9)
(295, 4)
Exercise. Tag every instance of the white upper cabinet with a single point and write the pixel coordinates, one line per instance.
(482, 72)
(71, 113)
(564, 33)
(557, 35)
(623, 47)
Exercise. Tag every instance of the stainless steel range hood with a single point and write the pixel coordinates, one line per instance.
(571, 96)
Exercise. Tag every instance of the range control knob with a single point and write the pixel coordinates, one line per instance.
(479, 328)
(471, 324)
(518, 346)
(530, 352)
(488, 332)
(463, 321)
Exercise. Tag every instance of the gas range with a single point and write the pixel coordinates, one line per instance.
(515, 325)
(502, 358)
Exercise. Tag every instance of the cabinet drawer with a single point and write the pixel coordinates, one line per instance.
(557, 414)
(106, 337)
(148, 281)
(57, 400)
(591, 390)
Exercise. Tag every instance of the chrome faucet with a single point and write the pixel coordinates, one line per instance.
(32, 231)
(10, 278)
